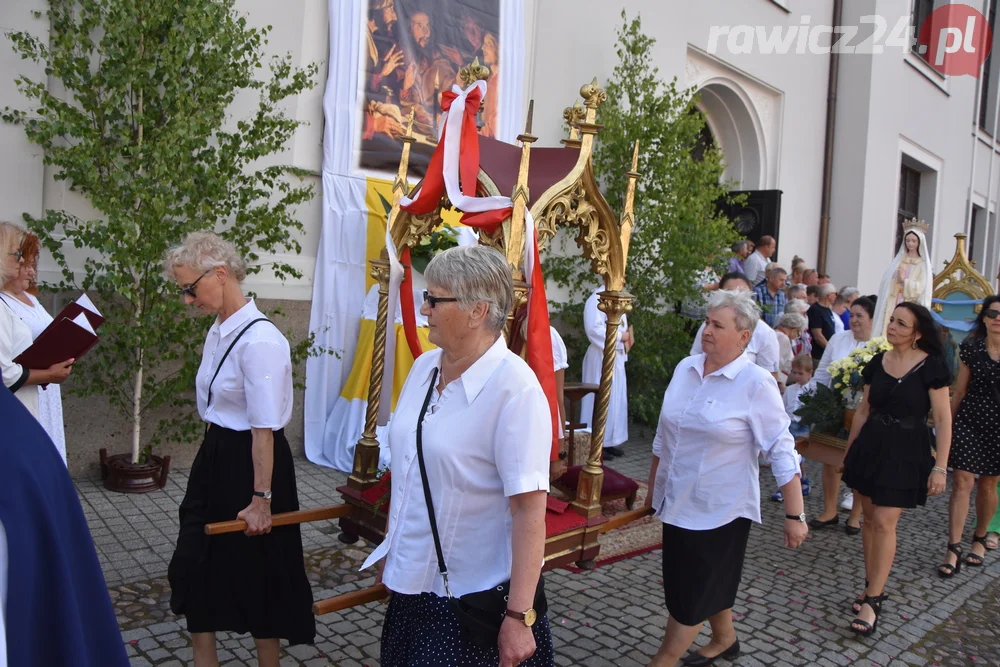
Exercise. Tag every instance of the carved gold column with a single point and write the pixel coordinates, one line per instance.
(366, 454)
(588, 491)
(514, 243)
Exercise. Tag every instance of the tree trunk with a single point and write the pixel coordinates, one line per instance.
(137, 411)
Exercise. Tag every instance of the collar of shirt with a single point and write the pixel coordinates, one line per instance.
(236, 321)
(730, 370)
(478, 374)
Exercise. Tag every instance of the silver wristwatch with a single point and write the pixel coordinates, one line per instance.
(796, 517)
(266, 495)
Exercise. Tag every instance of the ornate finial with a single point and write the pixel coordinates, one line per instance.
(531, 114)
(593, 95)
(409, 123)
(635, 158)
(469, 74)
(574, 115)
(916, 225)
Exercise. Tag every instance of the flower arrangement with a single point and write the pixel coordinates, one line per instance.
(439, 240)
(846, 372)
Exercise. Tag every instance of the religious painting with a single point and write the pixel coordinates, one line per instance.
(415, 49)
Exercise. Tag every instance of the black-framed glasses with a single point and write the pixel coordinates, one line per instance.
(189, 290)
(19, 254)
(992, 313)
(435, 300)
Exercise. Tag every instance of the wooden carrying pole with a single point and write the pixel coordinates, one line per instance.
(283, 519)
(380, 592)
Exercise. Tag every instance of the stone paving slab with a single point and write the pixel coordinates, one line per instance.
(793, 607)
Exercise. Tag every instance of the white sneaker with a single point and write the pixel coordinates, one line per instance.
(847, 503)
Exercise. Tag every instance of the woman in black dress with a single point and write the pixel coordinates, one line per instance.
(976, 450)
(889, 462)
(253, 582)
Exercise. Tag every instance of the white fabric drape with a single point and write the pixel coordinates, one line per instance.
(339, 280)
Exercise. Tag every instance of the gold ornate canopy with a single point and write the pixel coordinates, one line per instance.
(558, 187)
(960, 277)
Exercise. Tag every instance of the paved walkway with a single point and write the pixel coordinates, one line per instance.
(793, 607)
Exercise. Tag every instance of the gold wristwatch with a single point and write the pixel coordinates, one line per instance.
(528, 618)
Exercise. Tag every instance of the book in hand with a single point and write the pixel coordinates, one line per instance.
(82, 305)
(64, 339)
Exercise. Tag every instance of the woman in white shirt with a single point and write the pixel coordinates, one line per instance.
(473, 422)
(15, 335)
(839, 346)
(26, 306)
(254, 582)
(719, 413)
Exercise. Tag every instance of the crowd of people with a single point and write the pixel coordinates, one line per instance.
(470, 453)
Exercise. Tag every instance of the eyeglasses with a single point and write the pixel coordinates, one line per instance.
(992, 313)
(435, 300)
(189, 290)
(19, 255)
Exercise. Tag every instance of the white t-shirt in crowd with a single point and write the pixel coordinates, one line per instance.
(560, 357)
(793, 401)
(762, 350)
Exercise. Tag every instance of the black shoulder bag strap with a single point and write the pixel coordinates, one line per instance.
(223, 360)
(427, 489)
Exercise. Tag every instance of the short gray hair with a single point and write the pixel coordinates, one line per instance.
(11, 235)
(475, 274)
(797, 306)
(826, 290)
(850, 293)
(792, 321)
(746, 309)
(202, 251)
(740, 245)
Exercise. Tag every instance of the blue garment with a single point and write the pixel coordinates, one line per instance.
(845, 317)
(772, 307)
(58, 610)
(735, 265)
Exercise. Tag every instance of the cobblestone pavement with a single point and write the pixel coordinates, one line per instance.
(793, 607)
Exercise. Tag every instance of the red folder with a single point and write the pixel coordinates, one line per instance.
(73, 309)
(63, 339)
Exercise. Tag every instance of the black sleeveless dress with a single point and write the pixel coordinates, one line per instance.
(890, 461)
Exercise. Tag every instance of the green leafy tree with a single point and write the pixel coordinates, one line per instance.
(679, 229)
(132, 114)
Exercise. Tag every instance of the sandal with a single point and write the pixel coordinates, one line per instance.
(992, 541)
(864, 628)
(860, 600)
(947, 570)
(974, 559)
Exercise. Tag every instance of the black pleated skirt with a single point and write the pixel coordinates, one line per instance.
(235, 583)
(702, 569)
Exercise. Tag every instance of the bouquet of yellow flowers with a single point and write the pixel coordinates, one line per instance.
(846, 372)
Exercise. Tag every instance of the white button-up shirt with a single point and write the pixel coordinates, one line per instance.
(488, 437)
(762, 349)
(254, 386)
(755, 267)
(710, 433)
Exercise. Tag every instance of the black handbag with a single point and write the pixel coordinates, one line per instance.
(480, 614)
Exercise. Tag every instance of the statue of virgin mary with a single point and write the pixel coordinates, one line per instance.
(908, 278)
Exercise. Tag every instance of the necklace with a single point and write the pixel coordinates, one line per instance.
(993, 352)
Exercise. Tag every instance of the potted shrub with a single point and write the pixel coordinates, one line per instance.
(137, 124)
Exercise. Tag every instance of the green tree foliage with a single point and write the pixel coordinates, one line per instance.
(679, 229)
(133, 114)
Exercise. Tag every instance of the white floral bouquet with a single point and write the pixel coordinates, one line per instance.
(846, 372)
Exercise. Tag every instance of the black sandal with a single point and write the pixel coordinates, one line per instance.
(865, 628)
(818, 524)
(974, 559)
(947, 570)
(858, 601)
